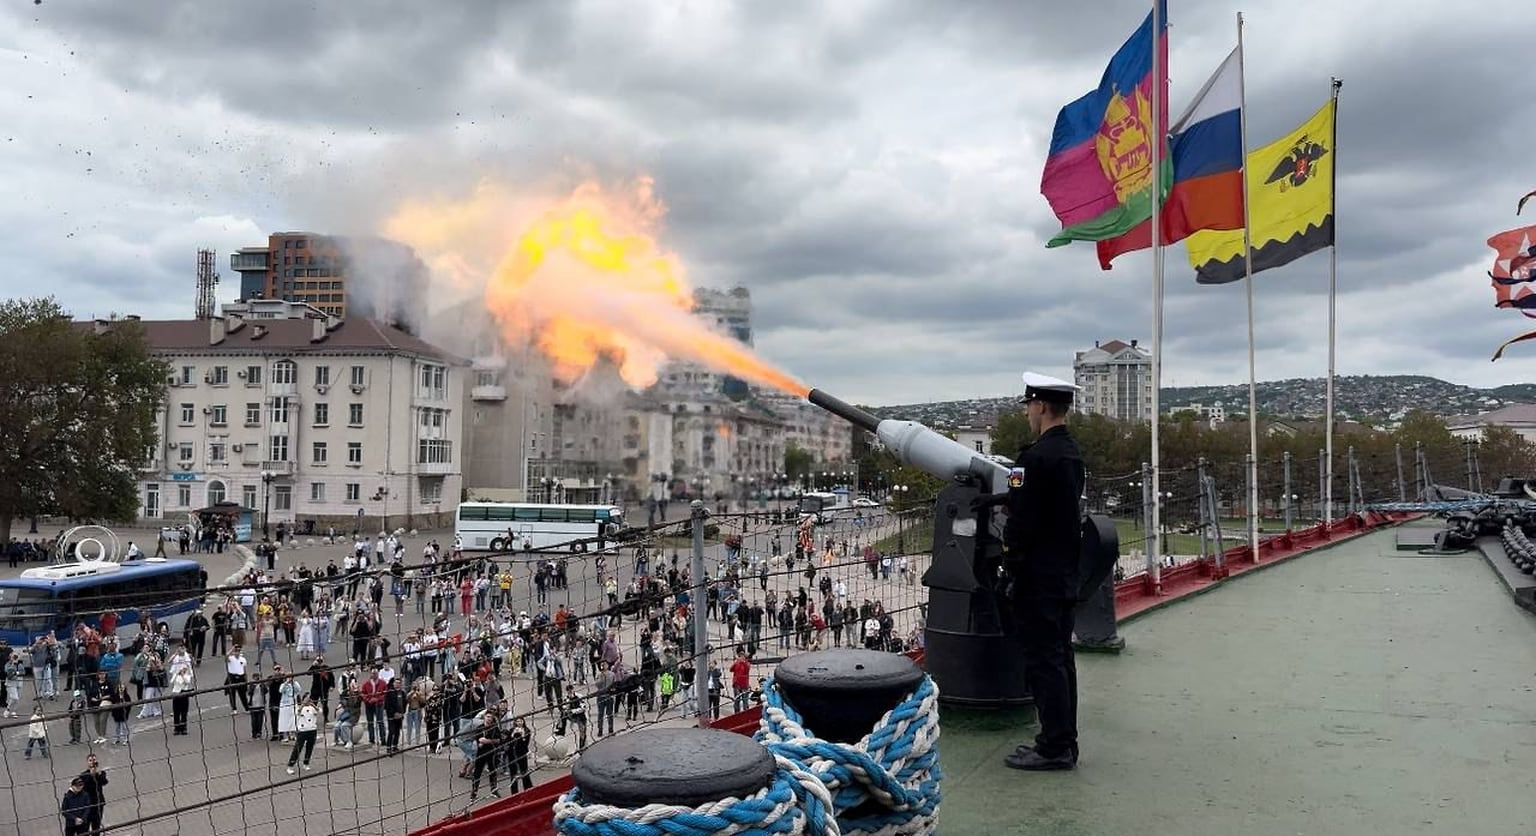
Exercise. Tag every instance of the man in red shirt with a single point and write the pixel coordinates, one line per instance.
(372, 692)
(741, 680)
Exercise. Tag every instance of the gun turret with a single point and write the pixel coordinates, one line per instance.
(919, 446)
(970, 634)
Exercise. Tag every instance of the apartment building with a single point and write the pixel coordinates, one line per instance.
(1116, 380)
(305, 417)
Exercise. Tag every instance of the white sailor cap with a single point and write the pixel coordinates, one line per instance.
(1046, 388)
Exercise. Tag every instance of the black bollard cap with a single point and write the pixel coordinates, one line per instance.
(687, 767)
(842, 693)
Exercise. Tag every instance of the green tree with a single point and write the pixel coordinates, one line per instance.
(1011, 434)
(797, 461)
(1504, 452)
(77, 414)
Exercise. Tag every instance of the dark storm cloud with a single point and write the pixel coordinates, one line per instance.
(869, 169)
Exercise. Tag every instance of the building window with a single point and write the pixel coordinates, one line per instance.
(185, 451)
(322, 414)
(216, 451)
(284, 372)
(486, 378)
(279, 410)
(282, 498)
(354, 492)
(434, 451)
(316, 491)
(252, 375)
(220, 415)
(248, 496)
(253, 415)
(432, 382)
(183, 496)
(979, 447)
(433, 418)
(188, 414)
(359, 375)
(354, 414)
(188, 375)
(215, 492)
(318, 449)
(322, 375)
(430, 490)
(354, 452)
(220, 376)
(279, 448)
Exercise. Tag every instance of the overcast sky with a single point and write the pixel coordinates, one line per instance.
(870, 170)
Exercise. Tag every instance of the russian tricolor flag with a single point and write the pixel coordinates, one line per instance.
(1206, 148)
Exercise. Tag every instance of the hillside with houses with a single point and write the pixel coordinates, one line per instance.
(1375, 400)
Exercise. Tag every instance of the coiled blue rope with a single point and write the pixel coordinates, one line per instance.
(795, 803)
(886, 784)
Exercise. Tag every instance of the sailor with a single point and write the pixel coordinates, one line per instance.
(1041, 542)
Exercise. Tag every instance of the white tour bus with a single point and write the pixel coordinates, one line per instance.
(512, 526)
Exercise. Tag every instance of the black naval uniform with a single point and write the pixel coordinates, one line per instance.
(1042, 539)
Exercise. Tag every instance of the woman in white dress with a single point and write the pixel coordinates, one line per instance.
(287, 708)
(306, 642)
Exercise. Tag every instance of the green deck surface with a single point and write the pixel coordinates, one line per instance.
(1352, 690)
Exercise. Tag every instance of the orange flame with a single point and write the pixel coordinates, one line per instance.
(586, 280)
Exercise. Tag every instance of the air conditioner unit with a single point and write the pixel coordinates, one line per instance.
(170, 381)
(171, 445)
(321, 388)
(240, 374)
(207, 410)
(186, 465)
(237, 447)
(357, 388)
(208, 378)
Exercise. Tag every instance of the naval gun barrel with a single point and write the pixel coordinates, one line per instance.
(919, 446)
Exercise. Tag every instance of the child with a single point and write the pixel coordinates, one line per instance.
(76, 717)
(37, 733)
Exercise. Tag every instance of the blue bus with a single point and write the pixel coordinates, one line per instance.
(55, 598)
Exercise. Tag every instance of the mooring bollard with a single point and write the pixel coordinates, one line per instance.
(690, 782)
(866, 724)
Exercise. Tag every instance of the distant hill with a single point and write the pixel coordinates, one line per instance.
(1374, 399)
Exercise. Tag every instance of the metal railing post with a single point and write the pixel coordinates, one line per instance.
(1287, 483)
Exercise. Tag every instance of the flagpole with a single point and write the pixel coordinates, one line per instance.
(1253, 397)
(1333, 281)
(1154, 562)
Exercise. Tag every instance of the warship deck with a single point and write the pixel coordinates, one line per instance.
(1356, 689)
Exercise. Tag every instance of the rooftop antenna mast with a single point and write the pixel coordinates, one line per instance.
(207, 283)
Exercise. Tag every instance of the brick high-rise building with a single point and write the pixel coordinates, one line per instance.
(339, 275)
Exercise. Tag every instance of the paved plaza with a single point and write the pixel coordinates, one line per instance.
(363, 790)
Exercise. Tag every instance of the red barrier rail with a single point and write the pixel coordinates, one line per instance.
(528, 813)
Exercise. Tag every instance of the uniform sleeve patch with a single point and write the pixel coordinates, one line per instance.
(1016, 477)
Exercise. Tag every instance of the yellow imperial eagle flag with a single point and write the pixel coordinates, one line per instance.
(1290, 205)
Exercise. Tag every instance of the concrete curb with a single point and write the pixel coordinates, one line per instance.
(245, 568)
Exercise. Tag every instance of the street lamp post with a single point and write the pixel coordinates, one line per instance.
(266, 502)
(898, 493)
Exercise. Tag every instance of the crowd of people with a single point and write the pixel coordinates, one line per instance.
(309, 649)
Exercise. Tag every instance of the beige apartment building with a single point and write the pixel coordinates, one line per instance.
(280, 408)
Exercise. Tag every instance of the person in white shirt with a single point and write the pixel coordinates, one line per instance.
(307, 728)
(387, 672)
(234, 672)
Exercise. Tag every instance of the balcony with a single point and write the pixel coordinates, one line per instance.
(489, 363)
(248, 261)
(495, 392)
(278, 468)
(436, 469)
